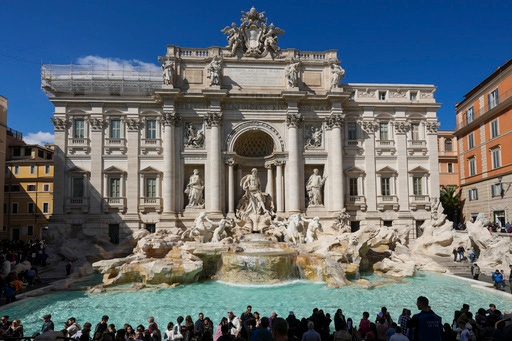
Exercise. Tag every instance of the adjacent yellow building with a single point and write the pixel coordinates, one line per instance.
(28, 189)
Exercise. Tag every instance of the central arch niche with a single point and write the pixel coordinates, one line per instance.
(254, 143)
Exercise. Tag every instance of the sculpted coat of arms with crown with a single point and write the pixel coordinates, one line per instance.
(254, 38)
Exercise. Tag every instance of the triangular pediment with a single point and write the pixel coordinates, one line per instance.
(76, 169)
(149, 170)
(419, 169)
(113, 170)
(387, 170)
(354, 170)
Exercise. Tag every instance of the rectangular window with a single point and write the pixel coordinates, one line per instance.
(417, 188)
(115, 187)
(413, 95)
(15, 188)
(383, 131)
(47, 169)
(471, 141)
(30, 230)
(493, 98)
(31, 188)
(28, 151)
(40, 153)
(448, 146)
(353, 188)
(14, 207)
(385, 186)
(496, 158)
(494, 128)
(472, 166)
(79, 128)
(450, 168)
(30, 207)
(496, 189)
(46, 207)
(77, 187)
(32, 169)
(115, 129)
(470, 115)
(46, 187)
(49, 156)
(16, 169)
(415, 131)
(382, 95)
(473, 194)
(16, 151)
(151, 129)
(150, 190)
(352, 130)
(6, 188)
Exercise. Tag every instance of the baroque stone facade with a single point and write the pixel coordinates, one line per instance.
(127, 146)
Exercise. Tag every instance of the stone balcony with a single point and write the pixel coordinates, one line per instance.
(77, 203)
(385, 146)
(419, 201)
(113, 145)
(417, 147)
(79, 144)
(150, 204)
(148, 145)
(118, 203)
(354, 147)
(387, 202)
(355, 202)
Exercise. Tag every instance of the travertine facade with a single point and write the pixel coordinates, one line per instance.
(127, 143)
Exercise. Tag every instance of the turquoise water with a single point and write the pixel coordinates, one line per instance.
(214, 299)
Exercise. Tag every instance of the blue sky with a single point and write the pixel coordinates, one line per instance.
(451, 44)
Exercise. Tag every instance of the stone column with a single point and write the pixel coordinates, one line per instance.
(293, 183)
(369, 126)
(402, 191)
(97, 126)
(335, 180)
(59, 162)
(231, 187)
(133, 125)
(279, 186)
(213, 189)
(169, 120)
(270, 179)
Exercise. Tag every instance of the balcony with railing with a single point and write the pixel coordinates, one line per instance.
(417, 146)
(354, 147)
(355, 202)
(77, 203)
(387, 202)
(115, 144)
(79, 144)
(385, 146)
(417, 201)
(503, 100)
(150, 204)
(147, 145)
(118, 203)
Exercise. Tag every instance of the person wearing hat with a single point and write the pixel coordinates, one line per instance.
(48, 324)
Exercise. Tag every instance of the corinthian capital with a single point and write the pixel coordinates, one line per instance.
(213, 119)
(402, 127)
(432, 127)
(96, 123)
(59, 123)
(293, 120)
(133, 124)
(334, 121)
(170, 118)
(369, 126)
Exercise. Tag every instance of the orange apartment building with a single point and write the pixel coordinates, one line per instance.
(484, 135)
(448, 159)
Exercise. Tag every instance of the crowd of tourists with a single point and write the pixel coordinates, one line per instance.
(14, 274)
(485, 324)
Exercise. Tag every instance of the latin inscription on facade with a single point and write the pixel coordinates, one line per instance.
(245, 77)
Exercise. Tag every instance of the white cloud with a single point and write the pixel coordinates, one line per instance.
(101, 63)
(41, 138)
